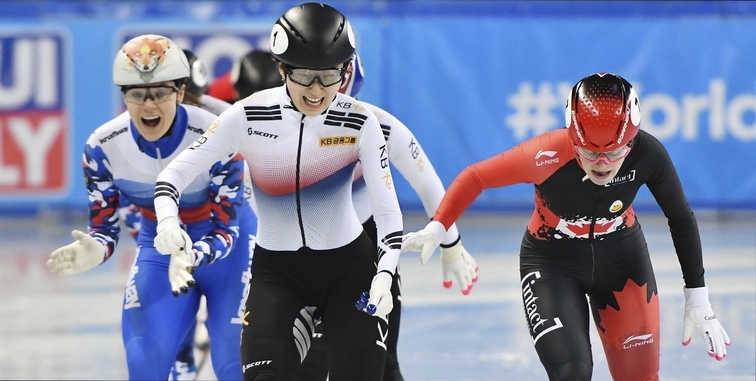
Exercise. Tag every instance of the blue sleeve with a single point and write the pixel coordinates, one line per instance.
(226, 197)
(103, 199)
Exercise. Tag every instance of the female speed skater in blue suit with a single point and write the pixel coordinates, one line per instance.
(123, 158)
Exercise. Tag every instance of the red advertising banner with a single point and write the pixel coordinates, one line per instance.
(33, 152)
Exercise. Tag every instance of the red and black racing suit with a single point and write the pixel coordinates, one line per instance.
(584, 239)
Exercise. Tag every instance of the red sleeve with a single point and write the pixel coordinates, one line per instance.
(532, 161)
(222, 88)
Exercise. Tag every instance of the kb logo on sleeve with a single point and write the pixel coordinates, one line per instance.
(385, 166)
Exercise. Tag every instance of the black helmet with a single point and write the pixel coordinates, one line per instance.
(255, 71)
(198, 81)
(313, 36)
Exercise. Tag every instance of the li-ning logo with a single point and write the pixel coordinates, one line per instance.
(538, 326)
(549, 154)
(637, 341)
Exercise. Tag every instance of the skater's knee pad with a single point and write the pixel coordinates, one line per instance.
(573, 371)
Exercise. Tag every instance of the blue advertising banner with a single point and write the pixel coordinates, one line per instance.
(469, 87)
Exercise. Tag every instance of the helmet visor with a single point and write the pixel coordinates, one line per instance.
(610, 157)
(306, 77)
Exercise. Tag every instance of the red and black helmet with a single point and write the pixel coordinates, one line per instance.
(603, 112)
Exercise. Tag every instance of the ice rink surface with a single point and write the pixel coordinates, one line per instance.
(69, 328)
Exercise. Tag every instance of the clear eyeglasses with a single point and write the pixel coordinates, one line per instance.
(158, 94)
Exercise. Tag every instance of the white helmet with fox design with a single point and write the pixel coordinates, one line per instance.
(149, 58)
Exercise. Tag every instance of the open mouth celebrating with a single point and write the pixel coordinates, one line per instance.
(313, 103)
(151, 121)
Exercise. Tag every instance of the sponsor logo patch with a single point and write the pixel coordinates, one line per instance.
(616, 206)
(622, 179)
(113, 134)
(637, 341)
(338, 141)
(539, 325)
(546, 158)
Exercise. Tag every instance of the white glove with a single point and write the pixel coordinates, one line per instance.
(699, 315)
(172, 240)
(180, 271)
(79, 256)
(425, 241)
(378, 301)
(457, 261)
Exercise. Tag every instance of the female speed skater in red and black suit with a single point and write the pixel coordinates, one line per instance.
(584, 237)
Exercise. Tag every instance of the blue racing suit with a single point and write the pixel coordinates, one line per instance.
(119, 162)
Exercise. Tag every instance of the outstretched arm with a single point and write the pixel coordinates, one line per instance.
(95, 247)
(463, 191)
(407, 155)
